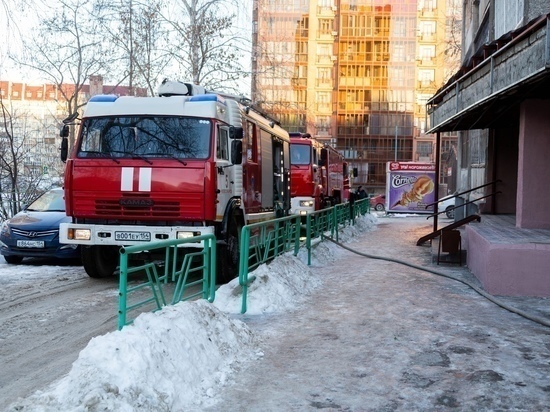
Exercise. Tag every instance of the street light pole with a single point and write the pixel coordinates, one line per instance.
(396, 143)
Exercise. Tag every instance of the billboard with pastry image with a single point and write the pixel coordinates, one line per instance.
(410, 187)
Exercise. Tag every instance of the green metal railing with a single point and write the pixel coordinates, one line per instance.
(275, 237)
(179, 268)
(262, 242)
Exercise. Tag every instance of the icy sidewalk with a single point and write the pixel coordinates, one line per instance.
(378, 336)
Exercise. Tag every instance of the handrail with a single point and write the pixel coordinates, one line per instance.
(453, 225)
(464, 204)
(468, 191)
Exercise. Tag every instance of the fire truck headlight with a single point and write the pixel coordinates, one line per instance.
(303, 212)
(80, 234)
(306, 203)
(184, 235)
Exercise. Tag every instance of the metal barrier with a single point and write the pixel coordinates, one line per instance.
(259, 243)
(262, 242)
(177, 266)
(275, 237)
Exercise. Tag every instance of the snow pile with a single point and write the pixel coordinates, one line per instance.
(280, 285)
(164, 362)
(180, 358)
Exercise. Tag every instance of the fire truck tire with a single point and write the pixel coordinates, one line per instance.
(229, 254)
(99, 261)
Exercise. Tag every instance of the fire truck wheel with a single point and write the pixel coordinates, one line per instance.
(99, 261)
(229, 254)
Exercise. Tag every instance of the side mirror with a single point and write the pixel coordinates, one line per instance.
(64, 149)
(237, 152)
(236, 132)
(64, 132)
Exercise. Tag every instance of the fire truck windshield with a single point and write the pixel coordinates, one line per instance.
(300, 154)
(145, 136)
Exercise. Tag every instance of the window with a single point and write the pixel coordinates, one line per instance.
(222, 151)
(426, 52)
(251, 142)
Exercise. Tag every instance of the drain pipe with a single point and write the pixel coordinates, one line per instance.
(537, 319)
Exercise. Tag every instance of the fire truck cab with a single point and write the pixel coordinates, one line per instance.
(318, 174)
(184, 163)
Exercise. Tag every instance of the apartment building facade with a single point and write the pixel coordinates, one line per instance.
(499, 100)
(355, 74)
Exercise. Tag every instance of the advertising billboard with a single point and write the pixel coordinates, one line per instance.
(410, 187)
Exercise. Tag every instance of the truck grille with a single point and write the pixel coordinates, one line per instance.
(160, 209)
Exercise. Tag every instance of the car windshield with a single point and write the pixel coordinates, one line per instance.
(145, 136)
(51, 201)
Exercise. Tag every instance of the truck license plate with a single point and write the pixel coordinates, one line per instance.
(30, 243)
(133, 236)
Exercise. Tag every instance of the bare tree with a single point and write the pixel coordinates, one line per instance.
(205, 43)
(453, 39)
(67, 48)
(140, 40)
(17, 185)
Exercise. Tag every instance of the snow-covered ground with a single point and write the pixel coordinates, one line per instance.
(348, 333)
(180, 357)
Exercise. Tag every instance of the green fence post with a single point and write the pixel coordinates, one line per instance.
(243, 265)
(297, 229)
(308, 238)
(122, 288)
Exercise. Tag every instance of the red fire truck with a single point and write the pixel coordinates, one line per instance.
(318, 175)
(184, 163)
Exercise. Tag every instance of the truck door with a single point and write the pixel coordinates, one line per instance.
(227, 183)
(251, 173)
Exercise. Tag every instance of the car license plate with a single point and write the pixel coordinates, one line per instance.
(133, 236)
(30, 243)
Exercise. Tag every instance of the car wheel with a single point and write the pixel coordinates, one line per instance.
(379, 207)
(14, 260)
(450, 212)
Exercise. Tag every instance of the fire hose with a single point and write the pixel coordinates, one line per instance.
(537, 319)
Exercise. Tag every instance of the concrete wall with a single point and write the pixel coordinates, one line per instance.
(533, 195)
(507, 269)
(535, 8)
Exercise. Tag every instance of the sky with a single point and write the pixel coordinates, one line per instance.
(181, 357)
